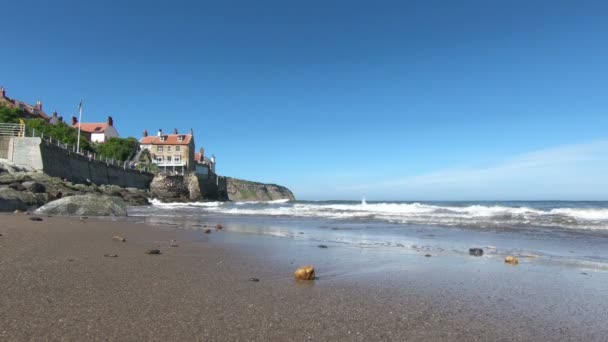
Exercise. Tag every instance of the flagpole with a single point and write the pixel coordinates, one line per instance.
(79, 121)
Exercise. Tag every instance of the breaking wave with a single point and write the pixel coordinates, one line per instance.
(533, 214)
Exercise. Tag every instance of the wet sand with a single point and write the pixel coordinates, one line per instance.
(56, 284)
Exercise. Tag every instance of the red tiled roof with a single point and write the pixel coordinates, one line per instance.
(170, 139)
(92, 127)
(29, 109)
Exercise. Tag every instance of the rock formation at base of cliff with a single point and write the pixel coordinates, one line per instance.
(22, 188)
(242, 190)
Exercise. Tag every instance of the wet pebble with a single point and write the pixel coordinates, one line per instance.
(427, 255)
(475, 251)
(322, 246)
(34, 218)
(152, 251)
(111, 255)
(207, 231)
(219, 226)
(254, 279)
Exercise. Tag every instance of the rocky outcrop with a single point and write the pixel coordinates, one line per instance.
(88, 205)
(11, 200)
(170, 188)
(242, 190)
(24, 189)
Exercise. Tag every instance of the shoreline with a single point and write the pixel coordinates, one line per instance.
(62, 287)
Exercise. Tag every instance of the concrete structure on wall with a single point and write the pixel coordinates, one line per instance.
(56, 161)
(99, 132)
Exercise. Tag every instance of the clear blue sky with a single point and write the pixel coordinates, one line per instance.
(336, 99)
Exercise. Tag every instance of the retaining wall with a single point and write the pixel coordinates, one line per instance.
(58, 162)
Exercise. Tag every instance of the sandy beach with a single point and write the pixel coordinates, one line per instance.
(56, 284)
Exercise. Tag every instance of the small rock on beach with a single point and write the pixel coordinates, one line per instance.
(475, 251)
(152, 251)
(119, 238)
(34, 218)
(305, 273)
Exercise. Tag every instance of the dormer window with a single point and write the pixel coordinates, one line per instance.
(180, 138)
(163, 137)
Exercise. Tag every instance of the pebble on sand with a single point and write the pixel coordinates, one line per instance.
(254, 279)
(427, 255)
(34, 218)
(509, 259)
(119, 238)
(207, 231)
(322, 246)
(305, 273)
(152, 251)
(219, 226)
(476, 251)
(111, 255)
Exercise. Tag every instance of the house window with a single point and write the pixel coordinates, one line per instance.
(169, 159)
(163, 138)
(177, 159)
(177, 148)
(159, 159)
(180, 138)
(168, 148)
(159, 148)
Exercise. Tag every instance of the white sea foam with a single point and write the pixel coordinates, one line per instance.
(416, 213)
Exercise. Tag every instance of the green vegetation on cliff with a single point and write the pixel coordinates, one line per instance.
(59, 131)
(10, 115)
(118, 148)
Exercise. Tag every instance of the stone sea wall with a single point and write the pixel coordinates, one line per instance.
(59, 162)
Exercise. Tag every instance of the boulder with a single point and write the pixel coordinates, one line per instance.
(11, 200)
(170, 188)
(9, 178)
(35, 187)
(16, 186)
(86, 205)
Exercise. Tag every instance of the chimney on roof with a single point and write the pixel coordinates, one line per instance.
(175, 131)
(110, 121)
(2, 92)
(145, 133)
(160, 132)
(202, 153)
(74, 120)
(39, 105)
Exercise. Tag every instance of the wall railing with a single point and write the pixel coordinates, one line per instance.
(92, 156)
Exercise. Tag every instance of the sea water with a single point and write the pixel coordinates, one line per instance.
(569, 233)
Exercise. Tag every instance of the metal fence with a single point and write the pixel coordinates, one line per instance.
(12, 130)
(21, 130)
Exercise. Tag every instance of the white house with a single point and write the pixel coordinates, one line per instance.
(100, 132)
